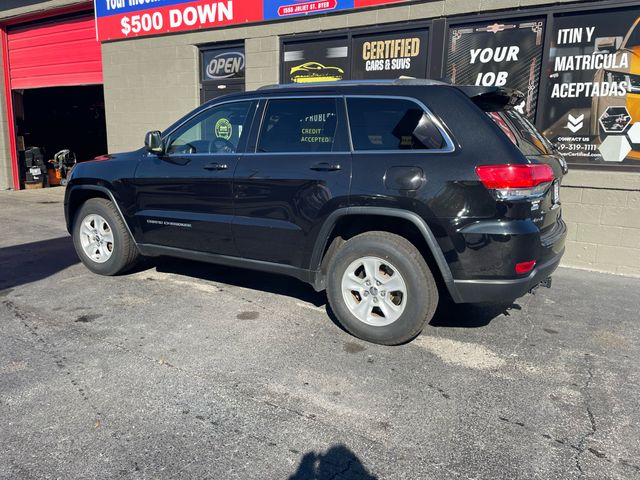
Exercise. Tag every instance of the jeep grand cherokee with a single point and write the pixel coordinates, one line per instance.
(387, 194)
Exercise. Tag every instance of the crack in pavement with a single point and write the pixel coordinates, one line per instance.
(592, 421)
(49, 348)
(580, 447)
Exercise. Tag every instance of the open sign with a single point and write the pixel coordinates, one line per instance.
(221, 65)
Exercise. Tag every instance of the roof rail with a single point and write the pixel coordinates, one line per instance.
(396, 81)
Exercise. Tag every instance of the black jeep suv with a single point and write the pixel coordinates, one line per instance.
(382, 193)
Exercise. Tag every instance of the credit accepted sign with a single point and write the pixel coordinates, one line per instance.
(118, 19)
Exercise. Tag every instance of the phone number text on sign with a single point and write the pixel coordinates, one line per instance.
(180, 17)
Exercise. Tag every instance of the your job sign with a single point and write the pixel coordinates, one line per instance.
(501, 54)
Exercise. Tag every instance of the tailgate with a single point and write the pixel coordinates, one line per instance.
(500, 104)
(545, 211)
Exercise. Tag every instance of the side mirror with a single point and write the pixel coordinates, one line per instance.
(153, 142)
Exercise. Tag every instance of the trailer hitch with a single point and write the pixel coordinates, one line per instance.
(546, 283)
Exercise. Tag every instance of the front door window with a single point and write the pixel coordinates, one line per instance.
(217, 130)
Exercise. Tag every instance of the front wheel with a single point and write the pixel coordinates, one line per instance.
(101, 238)
(381, 289)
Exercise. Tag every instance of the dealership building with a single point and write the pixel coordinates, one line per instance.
(94, 77)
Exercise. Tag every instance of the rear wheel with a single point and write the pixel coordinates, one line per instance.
(101, 238)
(381, 289)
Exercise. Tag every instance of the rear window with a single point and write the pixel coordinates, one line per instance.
(521, 132)
(391, 124)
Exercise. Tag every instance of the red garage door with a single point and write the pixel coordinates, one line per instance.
(53, 54)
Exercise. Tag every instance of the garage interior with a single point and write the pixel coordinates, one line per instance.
(58, 118)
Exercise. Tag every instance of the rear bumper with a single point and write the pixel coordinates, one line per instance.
(478, 291)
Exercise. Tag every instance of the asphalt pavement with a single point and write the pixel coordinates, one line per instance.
(181, 370)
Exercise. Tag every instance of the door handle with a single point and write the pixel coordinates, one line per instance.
(216, 166)
(325, 167)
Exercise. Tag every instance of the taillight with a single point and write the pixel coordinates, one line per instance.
(525, 267)
(511, 182)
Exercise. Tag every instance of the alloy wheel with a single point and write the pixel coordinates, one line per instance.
(96, 238)
(374, 291)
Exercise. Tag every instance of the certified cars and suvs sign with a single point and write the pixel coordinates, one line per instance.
(390, 54)
(117, 19)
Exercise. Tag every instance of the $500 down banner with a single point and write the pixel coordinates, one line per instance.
(118, 19)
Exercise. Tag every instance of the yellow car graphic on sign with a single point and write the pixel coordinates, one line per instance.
(315, 72)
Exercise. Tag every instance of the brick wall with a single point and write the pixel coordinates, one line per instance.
(148, 85)
(262, 54)
(602, 211)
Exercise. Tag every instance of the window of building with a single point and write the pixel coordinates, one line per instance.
(391, 124)
(499, 53)
(590, 103)
(222, 71)
(322, 60)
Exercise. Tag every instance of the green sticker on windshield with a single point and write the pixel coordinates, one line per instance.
(224, 129)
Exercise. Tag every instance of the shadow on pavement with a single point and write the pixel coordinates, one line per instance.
(469, 315)
(448, 314)
(30, 262)
(338, 462)
(239, 277)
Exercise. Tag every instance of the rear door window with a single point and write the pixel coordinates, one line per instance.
(307, 125)
(521, 132)
(391, 124)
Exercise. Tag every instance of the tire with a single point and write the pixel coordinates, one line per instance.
(414, 293)
(117, 251)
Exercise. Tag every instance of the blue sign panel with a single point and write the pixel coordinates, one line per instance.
(114, 7)
(290, 8)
